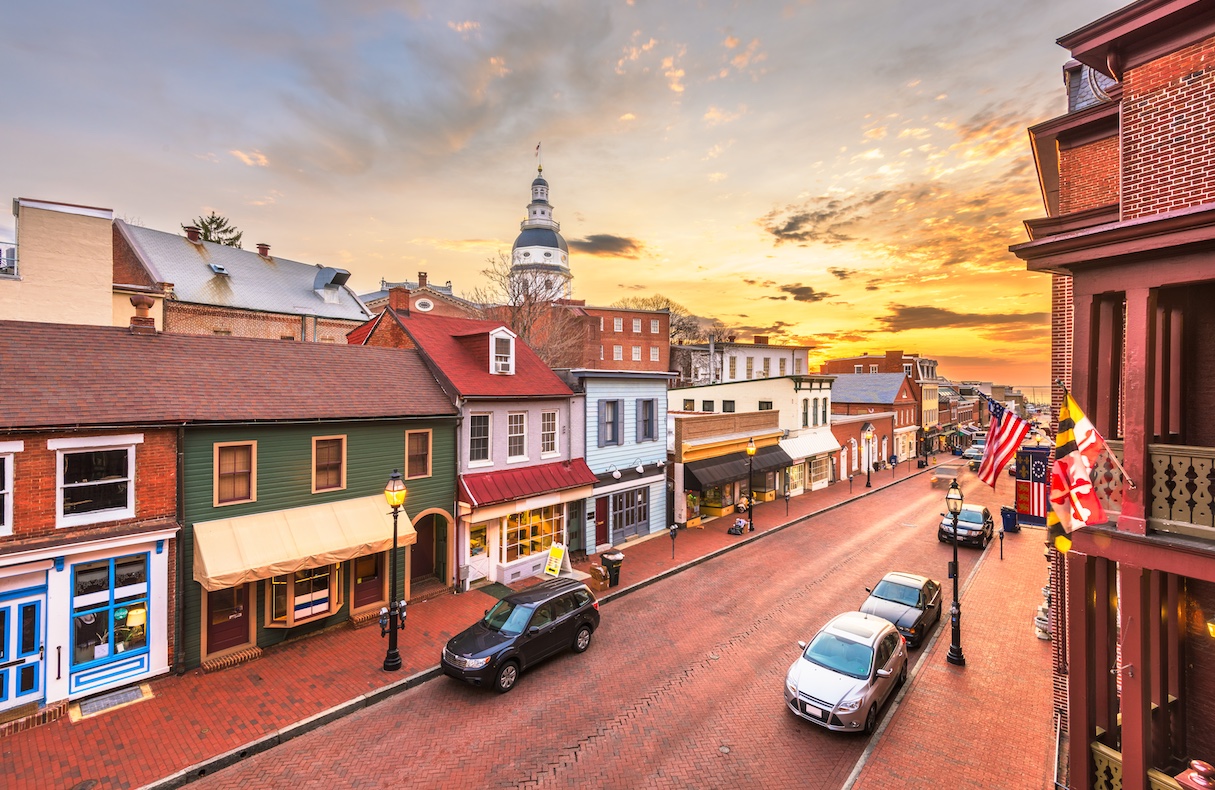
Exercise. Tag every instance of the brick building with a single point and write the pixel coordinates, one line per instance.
(424, 297)
(1127, 182)
(880, 393)
(924, 383)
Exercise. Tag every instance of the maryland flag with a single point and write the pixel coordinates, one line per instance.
(1074, 501)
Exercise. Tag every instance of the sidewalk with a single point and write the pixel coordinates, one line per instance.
(198, 723)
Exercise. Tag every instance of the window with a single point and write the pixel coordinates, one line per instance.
(653, 326)
(806, 412)
(109, 609)
(907, 368)
(706, 405)
(647, 430)
(478, 438)
(532, 532)
(689, 405)
(824, 422)
(235, 473)
(302, 596)
(873, 368)
(750, 368)
(767, 366)
(417, 454)
(328, 463)
(733, 368)
(637, 325)
(797, 366)
(816, 411)
(610, 419)
(636, 353)
(95, 478)
(858, 368)
(765, 405)
(654, 354)
(727, 406)
(631, 509)
(600, 323)
(548, 432)
(781, 363)
(504, 355)
(601, 353)
(617, 353)
(6, 484)
(516, 436)
(618, 324)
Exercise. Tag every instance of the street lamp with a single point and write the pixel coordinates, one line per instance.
(750, 485)
(392, 619)
(868, 435)
(953, 501)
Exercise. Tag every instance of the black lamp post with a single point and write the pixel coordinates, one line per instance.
(392, 619)
(868, 456)
(750, 485)
(953, 500)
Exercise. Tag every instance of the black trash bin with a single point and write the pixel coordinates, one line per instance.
(921, 464)
(1010, 519)
(612, 560)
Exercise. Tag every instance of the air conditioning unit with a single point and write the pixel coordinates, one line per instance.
(501, 367)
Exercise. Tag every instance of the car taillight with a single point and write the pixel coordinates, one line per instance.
(595, 604)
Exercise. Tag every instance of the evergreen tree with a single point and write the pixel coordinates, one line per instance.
(218, 229)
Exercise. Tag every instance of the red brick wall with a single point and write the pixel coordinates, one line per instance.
(1199, 689)
(34, 478)
(389, 334)
(1088, 175)
(1168, 132)
(193, 319)
(627, 338)
(127, 268)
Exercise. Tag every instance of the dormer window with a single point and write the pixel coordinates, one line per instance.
(502, 346)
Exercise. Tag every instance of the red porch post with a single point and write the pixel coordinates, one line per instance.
(1080, 670)
(1137, 419)
(1136, 673)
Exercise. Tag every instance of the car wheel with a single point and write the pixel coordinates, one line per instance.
(504, 681)
(871, 719)
(903, 675)
(583, 639)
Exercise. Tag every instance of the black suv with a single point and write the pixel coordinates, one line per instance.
(521, 630)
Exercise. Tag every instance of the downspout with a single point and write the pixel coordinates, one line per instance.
(457, 554)
(179, 607)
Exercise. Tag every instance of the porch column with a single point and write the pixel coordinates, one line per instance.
(1082, 351)
(1160, 659)
(1136, 673)
(1107, 365)
(1137, 415)
(1105, 644)
(681, 500)
(1080, 670)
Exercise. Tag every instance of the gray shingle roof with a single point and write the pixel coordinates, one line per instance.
(277, 285)
(866, 387)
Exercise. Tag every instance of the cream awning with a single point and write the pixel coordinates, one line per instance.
(810, 444)
(233, 551)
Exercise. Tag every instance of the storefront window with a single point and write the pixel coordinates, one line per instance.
(532, 532)
(820, 469)
(797, 476)
(719, 496)
(303, 595)
(693, 498)
(109, 608)
(478, 539)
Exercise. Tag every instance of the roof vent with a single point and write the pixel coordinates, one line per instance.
(220, 269)
(329, 277)
(263, 250)
(193, 233)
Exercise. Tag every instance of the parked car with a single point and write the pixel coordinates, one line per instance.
(975, 526)
(910, 601)
(972, 454)
(521, 630)
(848, 670)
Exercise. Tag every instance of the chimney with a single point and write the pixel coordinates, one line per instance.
(729, 338)
(193, 233)
(398, 300)
(141, 322)
(421, 279)
(761, 340)
(263, 250)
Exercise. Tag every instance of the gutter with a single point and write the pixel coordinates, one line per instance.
(179, 606)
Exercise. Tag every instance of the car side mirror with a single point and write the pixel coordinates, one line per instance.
(868, 590)
(535, 629)
(885, 673)
(802, 645)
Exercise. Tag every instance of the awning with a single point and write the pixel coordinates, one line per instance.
(233, 551)
(727, 468)
(488, 488)
(810, 444)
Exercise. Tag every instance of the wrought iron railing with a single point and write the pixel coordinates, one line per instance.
(1107, 771)
(1183, 489)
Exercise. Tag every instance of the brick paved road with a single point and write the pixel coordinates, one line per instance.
(681, 686)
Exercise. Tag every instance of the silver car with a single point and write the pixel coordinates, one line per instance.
(846, 672)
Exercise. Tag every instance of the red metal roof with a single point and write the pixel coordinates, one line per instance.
(489, 488)
(356, 336)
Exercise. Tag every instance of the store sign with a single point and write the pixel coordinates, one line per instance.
(556, 560)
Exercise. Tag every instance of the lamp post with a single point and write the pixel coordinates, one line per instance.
(750, 486)
(391, 620)
(868, 456)
(953, 500)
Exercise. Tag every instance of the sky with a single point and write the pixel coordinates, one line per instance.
(844, 175)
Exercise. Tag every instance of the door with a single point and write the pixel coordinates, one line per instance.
(601, 523)
(478, 551)
(227, 618)
(369, 576)
(22, 677)
(422, 561)
(546, 640)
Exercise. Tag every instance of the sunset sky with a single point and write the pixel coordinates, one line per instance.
(846, 175)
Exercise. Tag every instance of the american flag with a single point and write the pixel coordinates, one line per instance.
(1003, 438)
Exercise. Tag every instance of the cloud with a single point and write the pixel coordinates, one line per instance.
(608, 246)
(907, 317)
(252, 159)
(822, 219)
(841, 274)
(715, 115)
(805, 293)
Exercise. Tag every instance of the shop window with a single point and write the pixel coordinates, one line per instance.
(719, 496)
(478, 438)
(478, 539)
(95, 478)
(533, 532)
(417, 454)
(235, 473)
(630, 509)
(328, 463)
(303, 596)
(797, 476)
(109, 609)
(516, 436)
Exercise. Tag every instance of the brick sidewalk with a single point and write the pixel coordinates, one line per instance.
(200, 722)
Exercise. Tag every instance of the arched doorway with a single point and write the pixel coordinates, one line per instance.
(428, 558)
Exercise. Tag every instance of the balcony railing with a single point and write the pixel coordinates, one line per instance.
(8, 259)
(1109, 481)
(1182, 489)
(1107, 770)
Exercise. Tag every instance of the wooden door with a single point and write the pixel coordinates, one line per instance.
(227, 618)
(601, 522)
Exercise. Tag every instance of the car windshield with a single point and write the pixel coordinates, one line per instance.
(973, 516)
(899, 593)
(508, 618)
(839, 655)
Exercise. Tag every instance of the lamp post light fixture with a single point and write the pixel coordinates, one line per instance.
(750, 486)
(868, 436)
(953, 500)
(393, 619)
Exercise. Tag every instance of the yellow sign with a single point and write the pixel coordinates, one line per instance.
(556, 558)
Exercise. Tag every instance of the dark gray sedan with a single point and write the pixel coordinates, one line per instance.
(911, 602)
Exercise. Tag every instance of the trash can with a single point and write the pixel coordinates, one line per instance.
(612, 560)
(921, 464)
(1010, 519)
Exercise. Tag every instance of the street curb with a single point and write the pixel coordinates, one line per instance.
(209, 766)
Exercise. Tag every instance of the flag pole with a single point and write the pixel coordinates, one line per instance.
(1108, 451)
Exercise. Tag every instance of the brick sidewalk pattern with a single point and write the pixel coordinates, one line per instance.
(199, 722)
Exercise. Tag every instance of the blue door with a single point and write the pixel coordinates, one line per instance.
(22, 675)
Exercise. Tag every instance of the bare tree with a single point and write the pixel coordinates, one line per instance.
(684, 326)
(532, 306)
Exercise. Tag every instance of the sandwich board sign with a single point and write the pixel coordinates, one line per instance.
(558, 560)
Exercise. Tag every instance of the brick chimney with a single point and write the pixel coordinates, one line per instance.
(141, 322)
(193, 233)
(263, 250)
(761, 340)
(398, 300)
(421, 279)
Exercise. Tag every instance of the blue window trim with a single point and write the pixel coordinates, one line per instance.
(108, 610)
